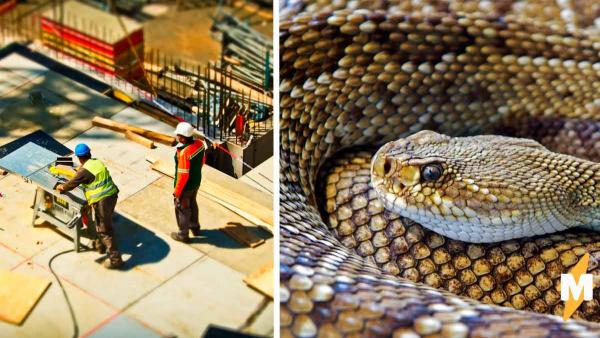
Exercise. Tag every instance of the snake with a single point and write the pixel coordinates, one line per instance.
(437, 167)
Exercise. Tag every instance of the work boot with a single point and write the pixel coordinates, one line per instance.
(113, 264)
(195, 231)
(176, 236)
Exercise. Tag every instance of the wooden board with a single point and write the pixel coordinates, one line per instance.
(262, 280)
(264, 214)
(123, 127)
(157, 114)
(242, 236)
(19, 294)
(214, 190)
(139, 139)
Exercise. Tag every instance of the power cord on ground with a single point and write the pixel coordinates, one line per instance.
(75, 325)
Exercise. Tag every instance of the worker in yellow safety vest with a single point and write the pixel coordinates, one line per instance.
(101, 194)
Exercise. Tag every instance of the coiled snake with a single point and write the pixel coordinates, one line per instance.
(363, 73)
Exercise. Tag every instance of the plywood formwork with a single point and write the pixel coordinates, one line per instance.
(97, 38)
(18, 295)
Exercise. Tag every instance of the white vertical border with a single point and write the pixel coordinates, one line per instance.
(276, 167)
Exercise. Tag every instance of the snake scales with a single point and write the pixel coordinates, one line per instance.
(363, 73)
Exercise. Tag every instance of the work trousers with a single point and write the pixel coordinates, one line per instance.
(186, 212)
(104, 210)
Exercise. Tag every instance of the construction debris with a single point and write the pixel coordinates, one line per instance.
(239, 232)
(19, 294)
(123, 127)
(262, 280)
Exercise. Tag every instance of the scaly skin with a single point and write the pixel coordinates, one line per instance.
(365, 77)
(523, 274)
(486, 188)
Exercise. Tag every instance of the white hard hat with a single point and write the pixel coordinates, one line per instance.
(184, 129)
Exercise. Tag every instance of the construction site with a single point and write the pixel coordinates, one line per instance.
(120, 79)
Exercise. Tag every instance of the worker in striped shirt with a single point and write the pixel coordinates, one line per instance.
(189, 159)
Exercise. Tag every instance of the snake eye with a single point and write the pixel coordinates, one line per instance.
(432, 172)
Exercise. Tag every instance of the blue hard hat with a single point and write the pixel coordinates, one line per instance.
(82, 150)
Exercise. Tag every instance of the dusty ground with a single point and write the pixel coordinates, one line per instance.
(186, 34)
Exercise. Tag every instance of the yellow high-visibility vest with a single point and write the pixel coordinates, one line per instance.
(102, 186)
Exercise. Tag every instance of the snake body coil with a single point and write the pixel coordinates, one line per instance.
(364, 73)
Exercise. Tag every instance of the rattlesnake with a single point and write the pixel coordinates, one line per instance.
(364, 73)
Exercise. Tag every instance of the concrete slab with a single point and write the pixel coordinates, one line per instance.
(211, 290)
(22, 66)
(15, 207)
(124, 327)
(10, 81)
(77, 93)
(64, 107)
(263, 324)
(144, 269)
(261, 177)
(51, 316)
(153, 206)
(9, 259)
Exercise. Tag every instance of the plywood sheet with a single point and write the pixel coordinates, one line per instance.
(18, 295)
(262, 280)
(243, 236)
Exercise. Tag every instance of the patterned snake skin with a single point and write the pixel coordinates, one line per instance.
(364, 73)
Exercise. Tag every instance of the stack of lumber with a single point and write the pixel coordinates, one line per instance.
(139, 135)
(7, 5)
(248, 47)
(95, 38)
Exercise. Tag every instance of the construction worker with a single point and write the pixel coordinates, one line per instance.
(189, 159)
(101, 194)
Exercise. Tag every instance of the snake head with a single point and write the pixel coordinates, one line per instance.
(482, 188)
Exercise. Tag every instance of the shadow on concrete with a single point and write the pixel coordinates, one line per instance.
(220, 239)
(142, 244)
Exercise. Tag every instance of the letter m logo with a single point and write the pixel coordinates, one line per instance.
(576, 286)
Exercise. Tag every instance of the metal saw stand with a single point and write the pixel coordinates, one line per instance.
(74, 225)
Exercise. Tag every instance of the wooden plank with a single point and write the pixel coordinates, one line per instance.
(157, 114)
(241, 235)
(162, 167)
(261, 212)
(234, 202)
(262, 280)
(123, 127)
(19, 294)
(139, 139)
(238, 211)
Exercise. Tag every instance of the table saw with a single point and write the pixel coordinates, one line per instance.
(34, 158)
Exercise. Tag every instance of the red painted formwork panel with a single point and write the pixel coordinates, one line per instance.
(136, 37)
(6, 6)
